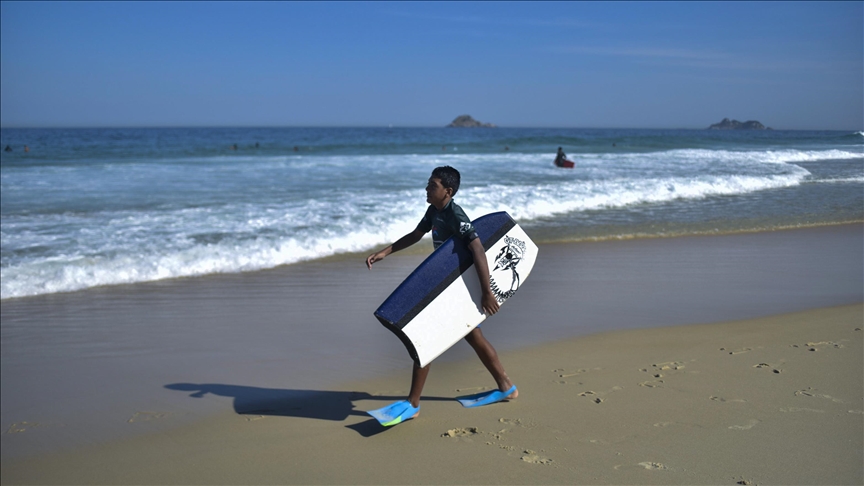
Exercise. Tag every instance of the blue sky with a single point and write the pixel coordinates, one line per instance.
(789, 65)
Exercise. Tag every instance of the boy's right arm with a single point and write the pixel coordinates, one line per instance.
(401, 244)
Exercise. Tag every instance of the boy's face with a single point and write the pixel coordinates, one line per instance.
(436, 194)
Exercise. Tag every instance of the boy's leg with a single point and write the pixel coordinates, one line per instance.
(418, 380)
(489, 357)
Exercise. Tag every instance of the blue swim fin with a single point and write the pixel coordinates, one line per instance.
(394, 413)
(485, 398)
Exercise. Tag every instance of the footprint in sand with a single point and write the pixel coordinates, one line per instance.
(500, 435)
(766, 365)
(596, 396)
(147, 416)
(721, 399)
(461, 432)
(590, 394)
(562, 373)
(497, 436)
(650, 465)
(654, 466)
(750, 425)
(531, 457)
(652, 384)
(816, 346)
(811, 392)
(739, 351)
(517, 422)
(668, 366)
(654, 372)
(19, 427)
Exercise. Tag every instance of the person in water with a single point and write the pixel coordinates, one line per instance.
(560, 157)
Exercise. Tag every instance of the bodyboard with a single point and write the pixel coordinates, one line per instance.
(439, 303)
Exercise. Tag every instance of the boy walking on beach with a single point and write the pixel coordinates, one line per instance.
(445, 219)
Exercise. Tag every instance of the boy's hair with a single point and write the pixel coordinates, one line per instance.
(449, 176)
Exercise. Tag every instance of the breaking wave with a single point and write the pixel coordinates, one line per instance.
(332, 211)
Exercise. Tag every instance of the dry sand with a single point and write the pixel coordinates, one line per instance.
(776, 400)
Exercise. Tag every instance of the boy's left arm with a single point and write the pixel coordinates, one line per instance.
(488, 302)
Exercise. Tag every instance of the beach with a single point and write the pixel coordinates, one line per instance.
(693, 360)
(670, 198)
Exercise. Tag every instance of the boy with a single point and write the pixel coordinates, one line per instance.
(445, 219)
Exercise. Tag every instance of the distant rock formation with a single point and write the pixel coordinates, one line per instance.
(466, 121)
(728, 124)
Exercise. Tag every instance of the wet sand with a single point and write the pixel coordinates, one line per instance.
(262, 378)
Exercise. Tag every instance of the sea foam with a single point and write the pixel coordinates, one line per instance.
(162, 219)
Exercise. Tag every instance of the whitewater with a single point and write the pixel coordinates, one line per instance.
(107, 207)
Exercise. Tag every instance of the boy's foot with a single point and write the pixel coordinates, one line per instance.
(395, 413)
(488, 397)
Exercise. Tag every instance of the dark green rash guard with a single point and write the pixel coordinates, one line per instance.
(448, 222)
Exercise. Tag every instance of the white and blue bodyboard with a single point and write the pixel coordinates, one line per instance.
(439, 303)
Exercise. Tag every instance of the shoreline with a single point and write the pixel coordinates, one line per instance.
(423, 249)
(94, 367)
(648, 236)
(770, 400)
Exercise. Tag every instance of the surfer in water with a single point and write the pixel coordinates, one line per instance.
(444, 218)
(560, 157)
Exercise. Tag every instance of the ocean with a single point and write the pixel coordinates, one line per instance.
(92, 207)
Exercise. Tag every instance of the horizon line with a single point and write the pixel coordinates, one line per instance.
(388, 126)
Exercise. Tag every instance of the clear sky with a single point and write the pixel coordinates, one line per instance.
(790, 65)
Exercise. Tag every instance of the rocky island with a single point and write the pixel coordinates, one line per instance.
(465, 121)
(728, 124)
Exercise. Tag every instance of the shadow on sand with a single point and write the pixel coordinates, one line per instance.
(312, 404)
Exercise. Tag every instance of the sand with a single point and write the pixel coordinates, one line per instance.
(771, 396)
(770, 401)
